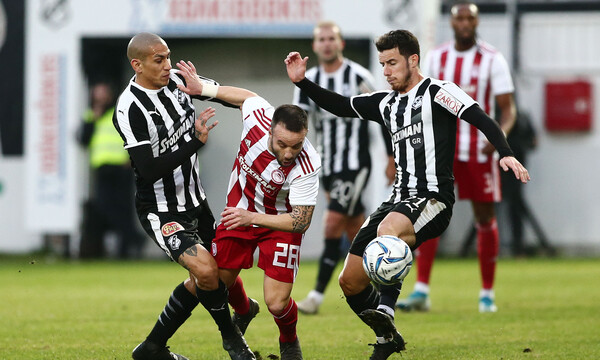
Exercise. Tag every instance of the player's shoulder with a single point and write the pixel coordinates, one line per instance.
(308, 159)
(443, 47)
(486, 47)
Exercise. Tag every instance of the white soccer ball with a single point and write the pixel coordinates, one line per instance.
(387, 260)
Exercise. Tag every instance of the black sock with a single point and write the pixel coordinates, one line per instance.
(366, 299)
(327, 263)
(215, 301)
(389, 294)
(179, 307)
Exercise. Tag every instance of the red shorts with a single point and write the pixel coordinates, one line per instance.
(279, 251)
(478, 181)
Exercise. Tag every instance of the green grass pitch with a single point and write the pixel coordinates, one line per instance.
(548, 309)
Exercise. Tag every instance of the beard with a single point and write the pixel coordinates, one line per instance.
(401, 86)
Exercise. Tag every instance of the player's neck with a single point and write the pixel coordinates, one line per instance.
(464, 45)
(333, 66)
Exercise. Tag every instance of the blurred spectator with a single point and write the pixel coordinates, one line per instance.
(110, 205)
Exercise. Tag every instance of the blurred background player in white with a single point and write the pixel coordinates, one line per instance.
(483, 73)
(271, 197)
(343, 144)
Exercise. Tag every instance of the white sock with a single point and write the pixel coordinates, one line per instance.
(486, 293)
(316, 296)
(386, 309)
(422, 287)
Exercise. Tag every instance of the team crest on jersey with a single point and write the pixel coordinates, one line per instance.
(170, 228)
(418, 102)
(448, 101)
(180, 96)
(174, 242)
(277, 176)
(214, 249)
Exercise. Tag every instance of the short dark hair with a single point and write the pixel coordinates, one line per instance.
(404, 40)
(291, 116)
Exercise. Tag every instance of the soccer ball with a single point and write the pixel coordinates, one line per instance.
(387, 260)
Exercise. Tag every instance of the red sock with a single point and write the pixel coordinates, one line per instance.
(238, 298)
(487, 249)
(286, 321)
(425, 257)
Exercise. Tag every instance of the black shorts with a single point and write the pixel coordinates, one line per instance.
(428, 213)
(177, 232)
(345, 191)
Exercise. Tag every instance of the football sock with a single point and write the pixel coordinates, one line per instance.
(389, 295)
(238, 298)
(425, 258)
(215, 301)
(286, 321)
(329, 259)
(422, 287)
(178, 308)
(366, 299)
(488, 247)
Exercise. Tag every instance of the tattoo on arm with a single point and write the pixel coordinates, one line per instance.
(301, 217)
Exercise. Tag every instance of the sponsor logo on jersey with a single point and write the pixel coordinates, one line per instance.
(408, 131)
(448, 101)
(418, 102)
(268, 188)
(174, 242)
(278, 176)
(186, 125)
(170, 228)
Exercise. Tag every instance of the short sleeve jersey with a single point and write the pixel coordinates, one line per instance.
(423, 127)
(258, 182)
(483, 73)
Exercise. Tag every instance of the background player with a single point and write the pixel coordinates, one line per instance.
(270, 201)
(343, 144)
(162, 135)
(482, 72)
(420, 113)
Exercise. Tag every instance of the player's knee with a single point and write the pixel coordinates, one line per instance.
(205, 274)
(348, 284)
(276, 305)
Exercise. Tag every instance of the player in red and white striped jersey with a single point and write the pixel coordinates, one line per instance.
(270, 201)
(483, 73)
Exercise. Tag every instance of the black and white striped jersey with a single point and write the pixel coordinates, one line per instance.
(164, 119)
(343, 143)
(423, 127)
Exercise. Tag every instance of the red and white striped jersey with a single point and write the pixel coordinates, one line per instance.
(258, 182)
(483, 73)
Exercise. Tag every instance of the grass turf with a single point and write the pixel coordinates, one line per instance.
(548, 309)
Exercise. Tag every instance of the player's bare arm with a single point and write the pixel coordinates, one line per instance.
(297, 221)
(195, 87)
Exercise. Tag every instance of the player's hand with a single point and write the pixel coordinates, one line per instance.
(296, 66)
(200, 127)
(233, 217)
(509, 162)
(192, 81)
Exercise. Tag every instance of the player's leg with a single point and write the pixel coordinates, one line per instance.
(175, 234)
(232, 250)
(488, 246)
(279, 258)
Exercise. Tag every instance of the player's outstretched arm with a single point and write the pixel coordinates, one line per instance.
(297, 221)
(196, 87)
